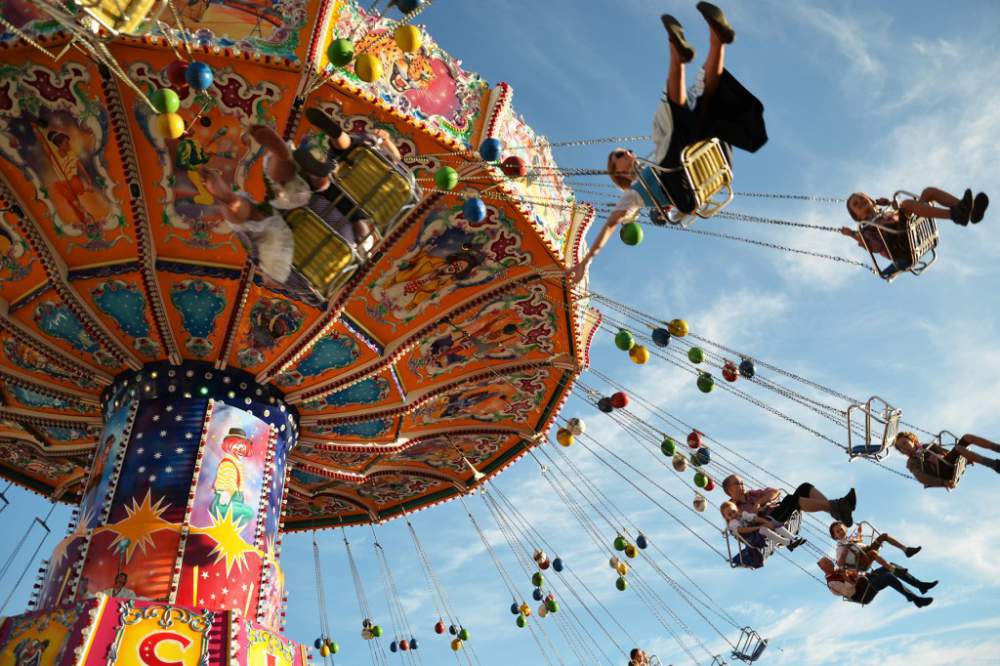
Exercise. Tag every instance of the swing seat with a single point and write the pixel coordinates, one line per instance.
(322, 257)
(912, 246)
(960, 464)
(881, 425)
(753, 556)
(709, 175)
(750, 646)
(374, 187)
(118, 16)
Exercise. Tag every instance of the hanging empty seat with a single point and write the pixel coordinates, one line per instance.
(753, 553)
(881, 425)
(750, 646)
(911, 245)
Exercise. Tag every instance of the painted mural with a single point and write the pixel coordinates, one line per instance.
(450, 253)
(509, 327)
(428, 84)
(487, 401)
(54, 133)
(271, 320)
(333, 350)
(125, 304)
(15, 261)
(446, 452)
(27, 358)
(369, 391)
(215, 142)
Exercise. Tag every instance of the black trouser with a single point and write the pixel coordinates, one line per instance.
(790, 503)
(881, 578)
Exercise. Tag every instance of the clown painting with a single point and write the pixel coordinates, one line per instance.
(229, 492)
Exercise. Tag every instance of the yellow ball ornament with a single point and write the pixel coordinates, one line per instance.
(564, 437)
(408, 38)
(678, 328)
(639, 354)
(622, 569)
(456, 645)
(170, 125)
(368, 67)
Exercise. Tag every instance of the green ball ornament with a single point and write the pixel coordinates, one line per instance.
(521, 621)
(700, 480)
(376, 631)
(624, 340)
(668, 447)
(340, 52)
(165, 100)
(696, 355)
(334, 646)
(706, 383)
(537, 579)
(631, 233)
(621, 583)
(620, 543)
(446, 178)
(552, 605)
(463, 634)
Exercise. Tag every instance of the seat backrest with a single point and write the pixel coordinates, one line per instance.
(321, 255)
(381, 188)
(709, 175)
(118, 15)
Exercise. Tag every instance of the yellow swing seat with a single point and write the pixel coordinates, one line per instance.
(912, 245)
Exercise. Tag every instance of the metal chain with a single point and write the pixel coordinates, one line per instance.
(744, 217)
(798, 197)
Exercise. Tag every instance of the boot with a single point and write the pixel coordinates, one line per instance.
(912, 550)
(962, 213)
(920, 602)
(979, 208)
(717, 21)
(840, 509)
(677, 39)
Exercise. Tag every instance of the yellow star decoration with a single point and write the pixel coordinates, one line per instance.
(229, 543)
(62, 548)
(143, 521)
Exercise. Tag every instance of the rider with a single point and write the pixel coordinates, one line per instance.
(805, 498)
(934, 466)
(724, 110)
(862, 588)
(853, 554)
(756, 529)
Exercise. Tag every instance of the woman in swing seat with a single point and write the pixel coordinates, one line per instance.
(882, 211)
(724, 110)
(934, 466)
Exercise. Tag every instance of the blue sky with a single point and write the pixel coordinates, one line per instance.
(859, 95)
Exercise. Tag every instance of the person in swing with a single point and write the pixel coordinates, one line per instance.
(295, 178)
(933, 203)
(724, 110)
(934, 466)
(854, 554)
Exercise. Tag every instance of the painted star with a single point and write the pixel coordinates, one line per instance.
(229, 543)
(138, 527)
(156, 417)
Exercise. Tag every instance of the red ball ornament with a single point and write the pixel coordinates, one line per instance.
(730, 372)
(710, 486)
(176, 72)
(619, 400)
(694, 439)
(514, 167)
(439, 627)
(404, 645)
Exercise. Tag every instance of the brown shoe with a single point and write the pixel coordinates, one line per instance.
(717, 20)
(677, 39)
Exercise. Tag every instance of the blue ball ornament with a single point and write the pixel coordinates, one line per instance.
(413, 643)
(474, 210)
(318, 643)
(514, 609)
(453, 630)
(407, 6)
(747, 368)
(641, 541)
(557, 564)
(701, 457)
(490, 149)
(392, 646)
(661, 337)
(604, 404)
(198, 75)
(537, 594)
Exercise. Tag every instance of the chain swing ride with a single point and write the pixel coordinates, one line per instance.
(161, 372)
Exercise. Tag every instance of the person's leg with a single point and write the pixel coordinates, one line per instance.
(880, 578)
(280, 166)
(972, 456)
(886, 538)
(935, 195)
(775, 537)
(908, 578)
(676, 85)
(715, 64)
(236, 208)
(976, 440)
(956, 210)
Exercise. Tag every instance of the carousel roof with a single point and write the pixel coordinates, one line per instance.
(447, 354)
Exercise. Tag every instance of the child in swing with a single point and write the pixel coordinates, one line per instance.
(724, 110)
(756, 529)
(933, 202)
(294, 178)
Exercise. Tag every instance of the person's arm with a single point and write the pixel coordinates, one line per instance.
(577, 272)
(388, 144)
(767, 496)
